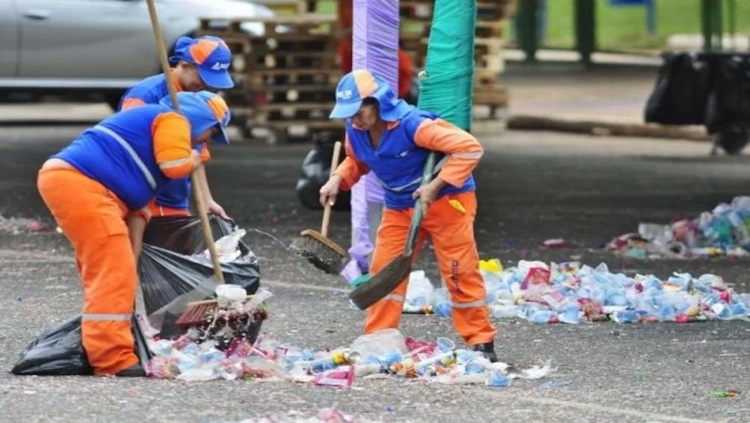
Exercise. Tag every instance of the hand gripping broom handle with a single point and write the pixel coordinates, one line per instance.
(197, 189)
(416, 219)
(327, 210)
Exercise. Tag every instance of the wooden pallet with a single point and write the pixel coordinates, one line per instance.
(277, 132)
(274, 27)
(486, 9)
(293, 94)
(280, 113)
(301, 76)
(494, 95)
(291, 60)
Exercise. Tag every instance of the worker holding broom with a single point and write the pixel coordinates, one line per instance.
(105, 176)
(202, 63)
(392, 139)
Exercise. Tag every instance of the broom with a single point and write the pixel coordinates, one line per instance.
(387, 279)
(198, 309)
(315, 246)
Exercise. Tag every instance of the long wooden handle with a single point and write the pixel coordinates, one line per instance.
(197, 188)
(327, 209)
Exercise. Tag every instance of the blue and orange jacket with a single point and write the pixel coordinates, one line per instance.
(134, 153)
(176, 193)
(399, 160)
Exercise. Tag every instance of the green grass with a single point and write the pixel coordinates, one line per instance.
(624, 28)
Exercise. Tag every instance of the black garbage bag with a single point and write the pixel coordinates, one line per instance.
(59, 351)
(316, 169)
(729, 103)
(184, 234)
(172, 273)
(681, 91)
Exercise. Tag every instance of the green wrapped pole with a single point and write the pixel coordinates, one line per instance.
(447, 83)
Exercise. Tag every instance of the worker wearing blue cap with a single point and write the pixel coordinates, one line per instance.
(201, 63)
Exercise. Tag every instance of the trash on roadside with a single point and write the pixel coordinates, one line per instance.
(725, 394)
(382, 354)
(19, 225)
(725, 231)
(573, 293)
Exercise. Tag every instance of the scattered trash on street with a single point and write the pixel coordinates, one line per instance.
(725, 231)
(19, 225)
(573, 293)
(386, 353)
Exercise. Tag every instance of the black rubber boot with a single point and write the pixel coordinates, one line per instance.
(487, 349)
(132, 371)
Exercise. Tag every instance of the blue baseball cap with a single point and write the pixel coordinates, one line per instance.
(204, 110)
(211, 57)
(360, 84)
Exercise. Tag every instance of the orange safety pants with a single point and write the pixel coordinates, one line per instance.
(450, 224)
(92, 218)
(157, 210)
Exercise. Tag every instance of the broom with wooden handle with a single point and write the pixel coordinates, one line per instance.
(315, 246)
(197, 188)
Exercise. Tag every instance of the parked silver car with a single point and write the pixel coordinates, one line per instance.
(102, 47)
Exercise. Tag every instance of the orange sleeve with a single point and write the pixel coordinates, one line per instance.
(205, 154)
(172, 150)
(132, 102)
(351, 169)
(461, 148)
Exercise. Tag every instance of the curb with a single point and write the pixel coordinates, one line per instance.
(641, 130)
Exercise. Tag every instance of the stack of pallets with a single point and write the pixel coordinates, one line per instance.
(416, 19)
(286, 78)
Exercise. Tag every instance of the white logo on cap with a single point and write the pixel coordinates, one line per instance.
(344, 95)
(220, 66)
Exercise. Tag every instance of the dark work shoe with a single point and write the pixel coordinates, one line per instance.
(132, 371)
(487, 350)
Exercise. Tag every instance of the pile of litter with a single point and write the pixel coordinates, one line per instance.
(573, 293)
(725, 231)
(383, 354)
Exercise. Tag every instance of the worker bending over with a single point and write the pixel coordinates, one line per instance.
(105, 176)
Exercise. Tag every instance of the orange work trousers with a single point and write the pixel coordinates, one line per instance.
(157, 210)
(450, 224)
(92, 218)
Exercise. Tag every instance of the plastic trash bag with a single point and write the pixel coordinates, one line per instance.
(173, 270)
(681, 90)
(59, 351)
(729, 102)
(184, 235)
(316, 169)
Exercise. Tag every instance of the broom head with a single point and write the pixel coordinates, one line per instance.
(323, 253)
(382, 283)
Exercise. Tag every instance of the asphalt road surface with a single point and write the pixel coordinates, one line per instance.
(532, 186)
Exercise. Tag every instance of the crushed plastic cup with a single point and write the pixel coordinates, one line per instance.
(445, 344)
(496, 379)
